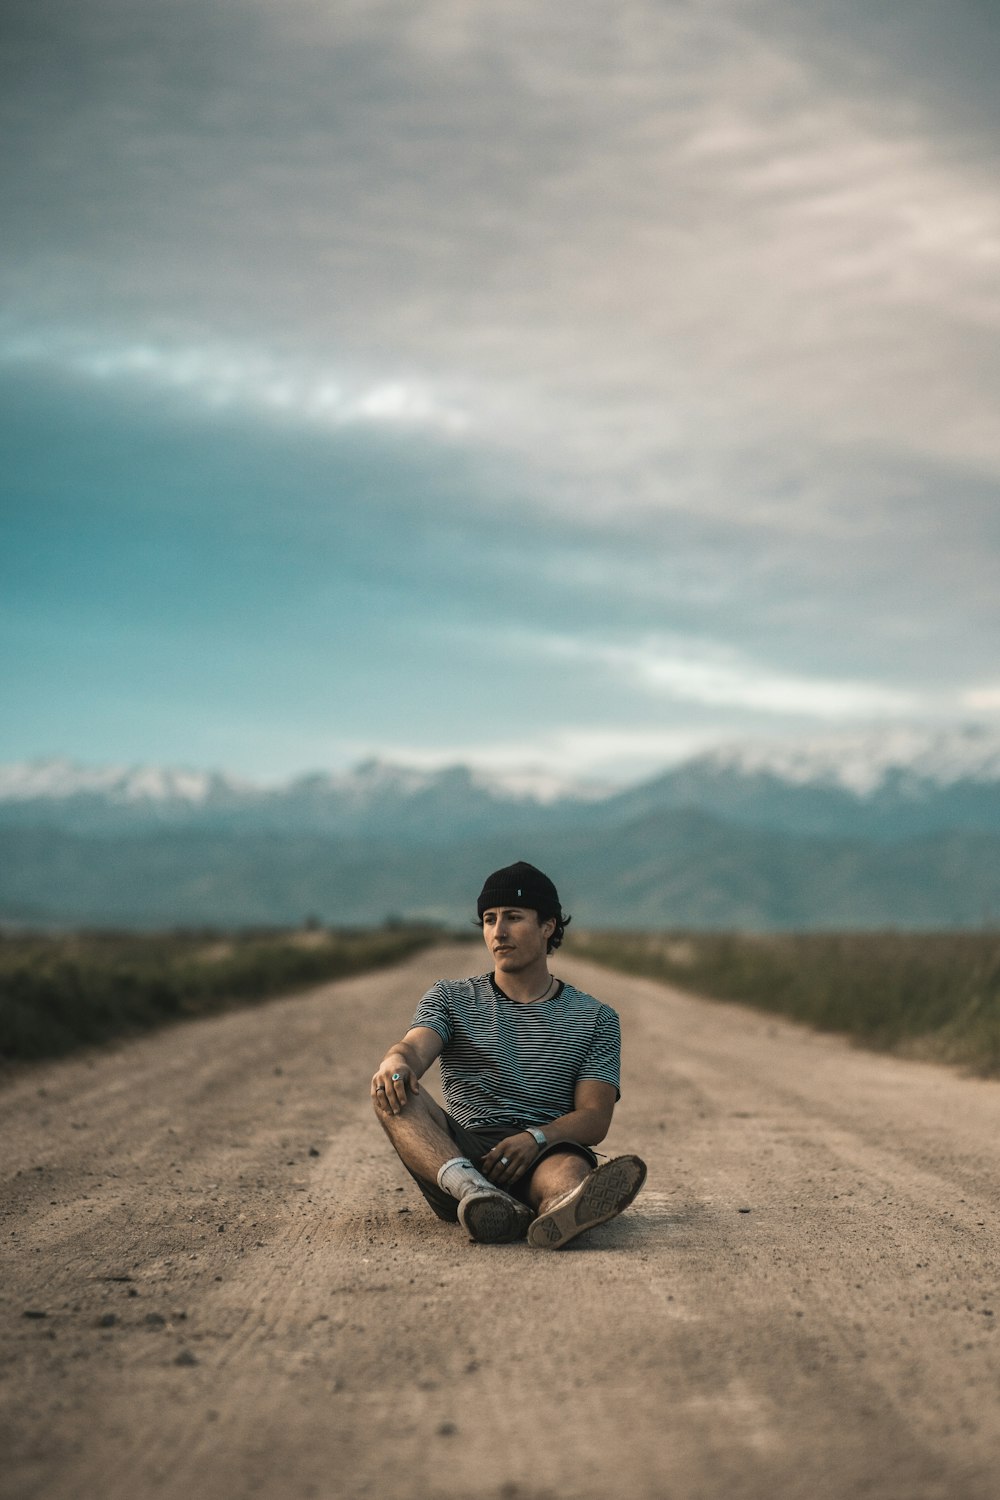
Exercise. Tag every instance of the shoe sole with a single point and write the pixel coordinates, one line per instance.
(609, 1189)
(493, 1218)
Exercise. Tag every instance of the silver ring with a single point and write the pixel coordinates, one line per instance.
(395, 1077)
(505, 1161)
(380, 1088)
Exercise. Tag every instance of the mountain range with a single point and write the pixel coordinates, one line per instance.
(898, 828)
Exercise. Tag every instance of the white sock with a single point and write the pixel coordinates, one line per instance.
(459, 1177)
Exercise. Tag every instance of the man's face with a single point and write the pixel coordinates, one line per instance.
(515, 937)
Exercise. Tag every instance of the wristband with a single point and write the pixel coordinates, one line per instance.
(539, 1136)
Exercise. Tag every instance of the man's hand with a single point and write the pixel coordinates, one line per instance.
(398, 1074)
(390, 1084)
(510, 1159)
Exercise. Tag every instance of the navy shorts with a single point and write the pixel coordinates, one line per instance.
(475, 1144)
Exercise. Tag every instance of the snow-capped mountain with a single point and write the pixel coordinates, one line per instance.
(907, 776)
(882, 785)
(60, 779)
(857, 830)
(864, 762)
(376, 799)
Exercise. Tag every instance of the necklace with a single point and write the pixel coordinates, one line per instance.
(535, 1000)
(543, 993)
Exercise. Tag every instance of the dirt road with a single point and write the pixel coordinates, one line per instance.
(243, 1295)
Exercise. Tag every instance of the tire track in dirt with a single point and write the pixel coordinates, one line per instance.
(797, 1304)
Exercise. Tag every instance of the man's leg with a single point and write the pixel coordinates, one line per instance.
(420, 1135)
(423, 1143)
(557, 1174)
(570, 1196)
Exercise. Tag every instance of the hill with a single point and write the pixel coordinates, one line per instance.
(860, 832)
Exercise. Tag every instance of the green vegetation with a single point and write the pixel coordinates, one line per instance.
(928, 995)
(61, 993)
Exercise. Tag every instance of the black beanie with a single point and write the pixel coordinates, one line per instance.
(520, 885)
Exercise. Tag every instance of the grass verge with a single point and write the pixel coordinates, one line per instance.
(934, 996)
(61, 993)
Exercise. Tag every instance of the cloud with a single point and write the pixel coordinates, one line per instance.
(984, 700)
(720, 677)
(641, 241)
(247, 379)
(670, 329)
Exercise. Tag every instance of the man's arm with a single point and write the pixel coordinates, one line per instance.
(402, 1066)
(588, 1122)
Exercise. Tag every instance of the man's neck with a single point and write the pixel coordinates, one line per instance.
(531, 984)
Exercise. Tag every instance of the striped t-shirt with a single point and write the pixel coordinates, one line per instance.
(505, 1063)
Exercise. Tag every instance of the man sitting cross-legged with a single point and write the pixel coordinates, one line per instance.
(530, 1068)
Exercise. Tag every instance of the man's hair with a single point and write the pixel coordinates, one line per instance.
(558, 933)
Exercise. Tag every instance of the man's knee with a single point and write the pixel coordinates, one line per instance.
(416, 1107)
(558, 1171)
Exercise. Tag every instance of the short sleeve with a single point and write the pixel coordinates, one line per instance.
(603, 1061)
(434, 1011)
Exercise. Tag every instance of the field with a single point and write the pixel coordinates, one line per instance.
(63, 992)
(933, 996)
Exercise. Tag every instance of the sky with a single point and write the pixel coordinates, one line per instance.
(508, 383)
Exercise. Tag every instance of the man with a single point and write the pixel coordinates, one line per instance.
(530, 1070)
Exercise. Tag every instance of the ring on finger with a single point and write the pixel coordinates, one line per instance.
(505, 1161)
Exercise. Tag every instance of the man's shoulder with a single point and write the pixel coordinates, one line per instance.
(466, 989)
(582, 1000)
